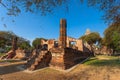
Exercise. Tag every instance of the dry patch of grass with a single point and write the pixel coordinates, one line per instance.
(94, 73)
(97, 68)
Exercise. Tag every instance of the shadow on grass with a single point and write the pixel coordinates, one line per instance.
(9, 69)
(10, 61)
(96, 62)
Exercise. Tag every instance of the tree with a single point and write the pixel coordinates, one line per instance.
(112, 37)
(91, 39)
(111, 8)
(2, 42)
(6, 38)
(14, 7)
(37, 42)
(116, 41)
(25, 45)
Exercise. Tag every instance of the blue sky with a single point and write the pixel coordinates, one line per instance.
(79, 18)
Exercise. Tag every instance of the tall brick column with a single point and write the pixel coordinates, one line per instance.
(63, 33)
(14, 43)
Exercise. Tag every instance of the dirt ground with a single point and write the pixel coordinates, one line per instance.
(80, 72)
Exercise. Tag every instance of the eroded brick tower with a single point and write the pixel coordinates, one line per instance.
(63, 33)
(14, 44)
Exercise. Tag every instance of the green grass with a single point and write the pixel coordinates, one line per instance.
(104, 61)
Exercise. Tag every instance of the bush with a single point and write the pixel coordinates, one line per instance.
(8, 48)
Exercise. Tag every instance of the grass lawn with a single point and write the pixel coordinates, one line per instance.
(96, 68)
(111, 61)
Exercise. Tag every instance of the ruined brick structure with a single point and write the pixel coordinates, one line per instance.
(59, 54)
(39, 59)
(63, 33)
(106, 51)
(50, 43)
(15, 52)
(14, 44)
(14, 48)
(12, 52)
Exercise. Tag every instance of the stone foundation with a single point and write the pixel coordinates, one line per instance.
(64, 58)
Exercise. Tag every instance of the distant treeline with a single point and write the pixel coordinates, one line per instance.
(6, 38)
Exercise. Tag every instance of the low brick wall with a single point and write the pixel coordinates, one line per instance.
(57, 58)
(64, 58)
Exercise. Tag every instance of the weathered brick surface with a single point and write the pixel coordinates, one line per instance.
(40, 59)
(63, 33)
(19, 54)
(65, 58)
(14, 44)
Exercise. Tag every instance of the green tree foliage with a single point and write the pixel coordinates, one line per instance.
(111, 8)
(2, 42)
(25, 45)
(14, 7)
(112, 37)
(6, 40)
(91, 38)
(8, 48)
(37, 42)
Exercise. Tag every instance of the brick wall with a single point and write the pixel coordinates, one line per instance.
(64, 58)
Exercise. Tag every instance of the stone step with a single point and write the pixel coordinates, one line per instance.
(31, 68)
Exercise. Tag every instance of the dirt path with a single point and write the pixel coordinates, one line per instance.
(81, 72)
(13, 73)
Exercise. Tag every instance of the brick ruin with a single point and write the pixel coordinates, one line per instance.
(63, 34)
(104, 50)
(15, 52)
(59, 54)
(14, 43)
(11, 53)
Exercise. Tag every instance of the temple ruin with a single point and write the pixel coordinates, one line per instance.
(15, 52)
(63, 33)
(61, 54)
